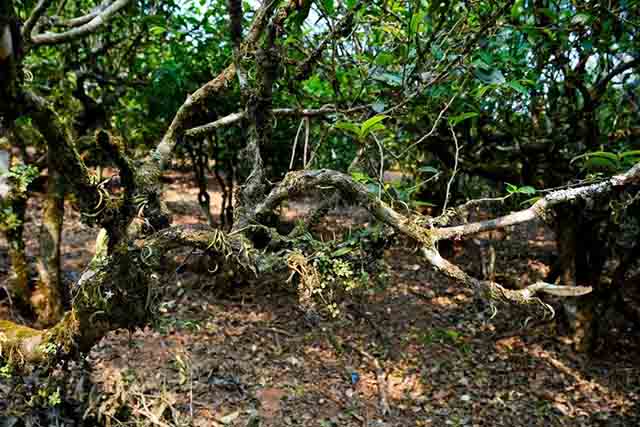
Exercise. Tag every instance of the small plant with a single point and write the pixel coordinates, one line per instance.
(444, 336)
(49, 348)
(46, 397)
(362, 130)
(336, 269)
(6, 371)
(54, 398)
(165, 324)
(183, 367)
(129, 376)
(21, 176)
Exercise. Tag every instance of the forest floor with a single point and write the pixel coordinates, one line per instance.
(232, 355)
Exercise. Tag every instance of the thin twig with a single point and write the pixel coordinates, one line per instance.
(277, 331)
(381, 151)
(433, 128)
(381, 178)
(295, 144)
(306, 141)
(6, 290)
(455, 168)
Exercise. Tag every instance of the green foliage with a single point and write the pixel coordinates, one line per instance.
(8, 219)
(46, 397)
(6, 370)
(332, 270)
(526, 190)
(363, 130)
(606, 161)
(20, 176)
(404, 59)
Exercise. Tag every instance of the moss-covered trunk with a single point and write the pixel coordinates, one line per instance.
(112, 293)
(47, 298)
(18, 283)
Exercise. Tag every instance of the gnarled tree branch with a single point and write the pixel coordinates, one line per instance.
(299, 182)
(541, 208)
(36, 14)
(89, 27)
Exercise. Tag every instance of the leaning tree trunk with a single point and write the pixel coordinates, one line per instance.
(47, 298)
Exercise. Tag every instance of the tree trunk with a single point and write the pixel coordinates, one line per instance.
(47, 298)
(583, 252)
(18, 283)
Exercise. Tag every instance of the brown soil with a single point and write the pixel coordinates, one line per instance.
(239, 354)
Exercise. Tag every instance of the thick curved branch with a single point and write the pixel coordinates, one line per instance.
(78, 21)
(33, 19)
(163, 151)
(299, 182)
(259, 23)
(95, 202)
(66, 158)
(116, 291)
(497, 292)
(180, 122)
(77, 32)
(111, 294)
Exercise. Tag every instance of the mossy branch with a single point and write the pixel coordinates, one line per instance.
(302, 182)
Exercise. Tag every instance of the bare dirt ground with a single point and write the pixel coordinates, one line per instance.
(244, 356)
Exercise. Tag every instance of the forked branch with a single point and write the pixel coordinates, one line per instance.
(419, 229)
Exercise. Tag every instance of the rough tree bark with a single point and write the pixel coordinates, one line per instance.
(18, 280)
(46, 300)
